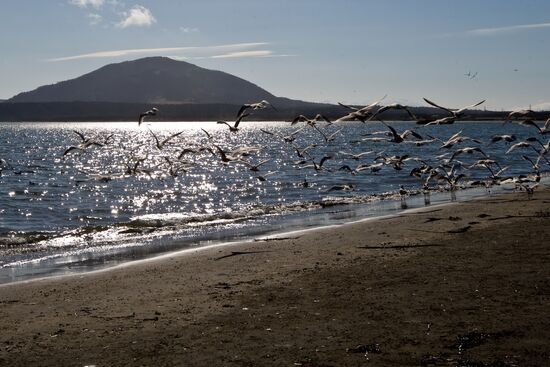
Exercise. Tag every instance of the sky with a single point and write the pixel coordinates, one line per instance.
(454, 53)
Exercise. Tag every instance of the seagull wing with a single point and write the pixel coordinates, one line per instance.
(224, 122)
(531, 123)
(324, 159)
(80, 135)
(438, 106)
(348, 107)
(410, 113)
(372, 105)
(457, 112)
(242, 109)
(70, 149)
(141, 117)
(170, 138)
(241, 116)
(298, 119)
(156, 139)
(319, 116)
(267, 132)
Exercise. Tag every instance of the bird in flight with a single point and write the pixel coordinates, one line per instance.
(255, 106)
(456, 113)
(359, 114)
(235, 126)
(394, 106)
(161, 143)
(152, 112)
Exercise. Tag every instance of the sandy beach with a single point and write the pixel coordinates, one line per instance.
(460, 284)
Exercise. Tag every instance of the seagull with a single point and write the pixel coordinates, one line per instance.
(315, 166)
(356, 156)
(160, 144)
(487, 163)
(263, 178)
(235, 127)
(544, 130)
(255, 106)
(176, 167)
(467, 150)
(208, 136)
(522, 144)
(535, 165)
(302, 152)
(313, 121)
(195, 151)
(344, 187)
(152, 112)
(396, 161)
(287, 138)
(457, 113)
(506, 138)
(225, 157)
(394, 106)
(355, 170)
(254, 167)
(375, 167)
(457, 138)
(399, 138)
(86, 143)
(328, 138)
(359, 114)
(520, 113)
(133, 169)
(443, 121)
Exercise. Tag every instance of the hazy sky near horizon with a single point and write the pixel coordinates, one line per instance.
(352, 51)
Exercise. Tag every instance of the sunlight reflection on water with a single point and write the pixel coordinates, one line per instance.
(129, 193)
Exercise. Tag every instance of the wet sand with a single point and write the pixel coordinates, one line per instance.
(461, 284)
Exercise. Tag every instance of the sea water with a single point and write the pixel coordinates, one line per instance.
(129, 197)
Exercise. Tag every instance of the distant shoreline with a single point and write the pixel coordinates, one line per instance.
(107, 111)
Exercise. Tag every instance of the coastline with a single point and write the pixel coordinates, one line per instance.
(467, 281)
(376, 206)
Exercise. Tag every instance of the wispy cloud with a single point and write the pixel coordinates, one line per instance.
(138, 16)
(509, 29)
(253, 53)
(95, 18)
(207, 51)
(189, 30)
(85, 3)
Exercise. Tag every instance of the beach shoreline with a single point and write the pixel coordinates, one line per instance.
(465, 282)
(82, 261)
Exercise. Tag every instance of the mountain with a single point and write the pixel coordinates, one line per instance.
(152, 80)
(182, 92)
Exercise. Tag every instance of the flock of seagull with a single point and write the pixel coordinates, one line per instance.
(445, 171)
(449, 173)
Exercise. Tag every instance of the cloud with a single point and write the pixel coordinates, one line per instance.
(95, 18)
(254, 53)
(85, 3)
(165, 51)
(138, 16)
(188, 30)
(509, 29)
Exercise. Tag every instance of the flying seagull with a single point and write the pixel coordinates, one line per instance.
(152, 112)
(235, 126)
(255, 106)
(456, 113)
